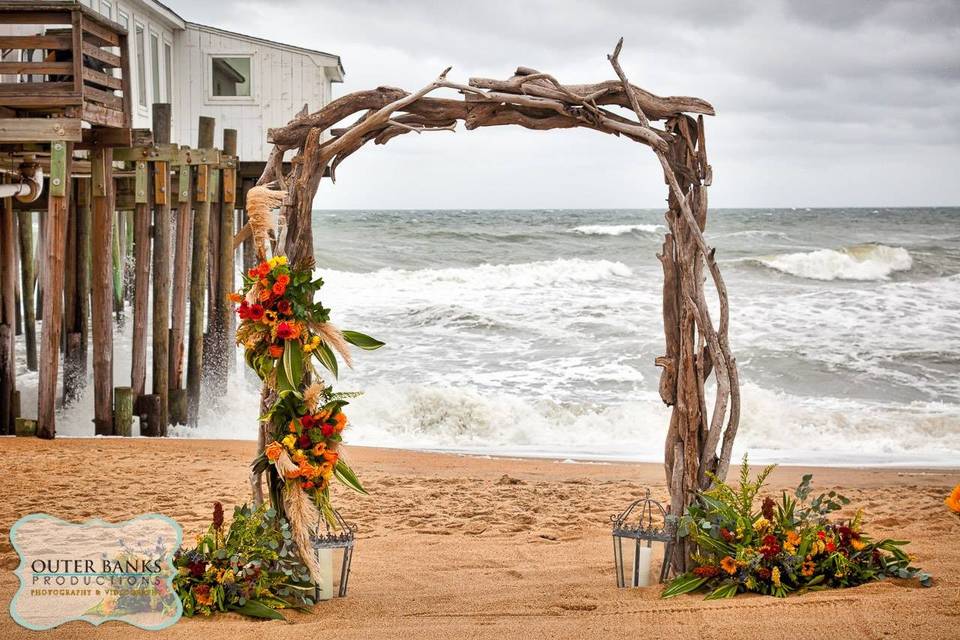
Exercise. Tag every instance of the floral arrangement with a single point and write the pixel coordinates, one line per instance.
(284, 330)
(252, 567)
(787, 546)
(953, 500)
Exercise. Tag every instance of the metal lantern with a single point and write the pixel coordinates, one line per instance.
(335, 541)
(642, 523)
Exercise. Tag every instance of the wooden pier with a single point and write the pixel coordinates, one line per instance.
(102, 206)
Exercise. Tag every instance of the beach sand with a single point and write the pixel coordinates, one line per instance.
(466, 547)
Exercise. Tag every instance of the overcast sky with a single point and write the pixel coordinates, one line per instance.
(819, 102)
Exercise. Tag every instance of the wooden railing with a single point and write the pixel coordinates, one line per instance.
(82, 70)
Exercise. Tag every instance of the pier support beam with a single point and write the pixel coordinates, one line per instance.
(54, 249)
(101, 161)
(8, 304)
(157, 424)
(198, 276)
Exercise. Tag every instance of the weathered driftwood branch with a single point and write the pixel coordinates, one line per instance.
(695, 348)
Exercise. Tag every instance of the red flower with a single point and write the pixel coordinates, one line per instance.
(253, 272)
(706, 571)
(306, 421)
(725, 534)
(831, 547)
(308, 484)
(256, 312)
(763, 573)
(279, 289)
(771, 546)
(327, 429)
(275, 351)
(821, 535)
(283, 306)
(285, 330)
(304, 441)
(243, 310)
(767, 508)
(263, 269)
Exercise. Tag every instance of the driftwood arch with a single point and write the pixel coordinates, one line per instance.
(699, 438)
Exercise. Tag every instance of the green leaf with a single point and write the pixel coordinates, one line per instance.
(256, 609)
(722, 592)
(361, 340)
(326, 358)
(683, 584)
(346, 475)
(292, 366)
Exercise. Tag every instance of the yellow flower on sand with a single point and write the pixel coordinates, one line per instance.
(728, 565)
(761, 525)
(953, 500)
(775, 576)
(277, 261)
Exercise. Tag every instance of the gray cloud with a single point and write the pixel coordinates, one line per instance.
(818, 101)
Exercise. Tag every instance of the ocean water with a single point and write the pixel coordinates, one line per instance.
(534, 333)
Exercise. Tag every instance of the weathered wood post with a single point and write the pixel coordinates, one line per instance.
(178, 312)
(53, 264)
(141, 283)
(221, 316)
(157, 422)
(74, 359)
(101, 169)
(198, 274)
(27, 286)
(8, 303)
(123, 411)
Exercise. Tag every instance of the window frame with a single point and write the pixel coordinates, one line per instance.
(140, 38)
(167, 47)
(208, 75)
(156, 64)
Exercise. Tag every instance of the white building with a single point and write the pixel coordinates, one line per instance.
(246, 83)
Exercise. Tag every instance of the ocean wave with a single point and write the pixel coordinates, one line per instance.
(501, 276)
(616, 229)
(783, 427)
(858, 262)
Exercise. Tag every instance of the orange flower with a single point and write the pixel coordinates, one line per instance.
(953, 500)
(279, 289)
(264, 282)
(273, 451)
(331, 457)
(729, 565)
(292, 426)
(275, 351)
(264, 295)
(283, 279)
(201, 593)
(339, 422)
(234, 297)
(308, 485)
(319, 449)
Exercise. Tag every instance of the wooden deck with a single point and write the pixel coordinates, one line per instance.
(75, 66)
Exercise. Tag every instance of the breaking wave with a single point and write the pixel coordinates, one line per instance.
(858, 262)
(616, 229)
(505, 276)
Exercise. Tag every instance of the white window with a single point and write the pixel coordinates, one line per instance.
(141, 67)
(168, 70)
(155, 60)
(230, 76)
(106, 9)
